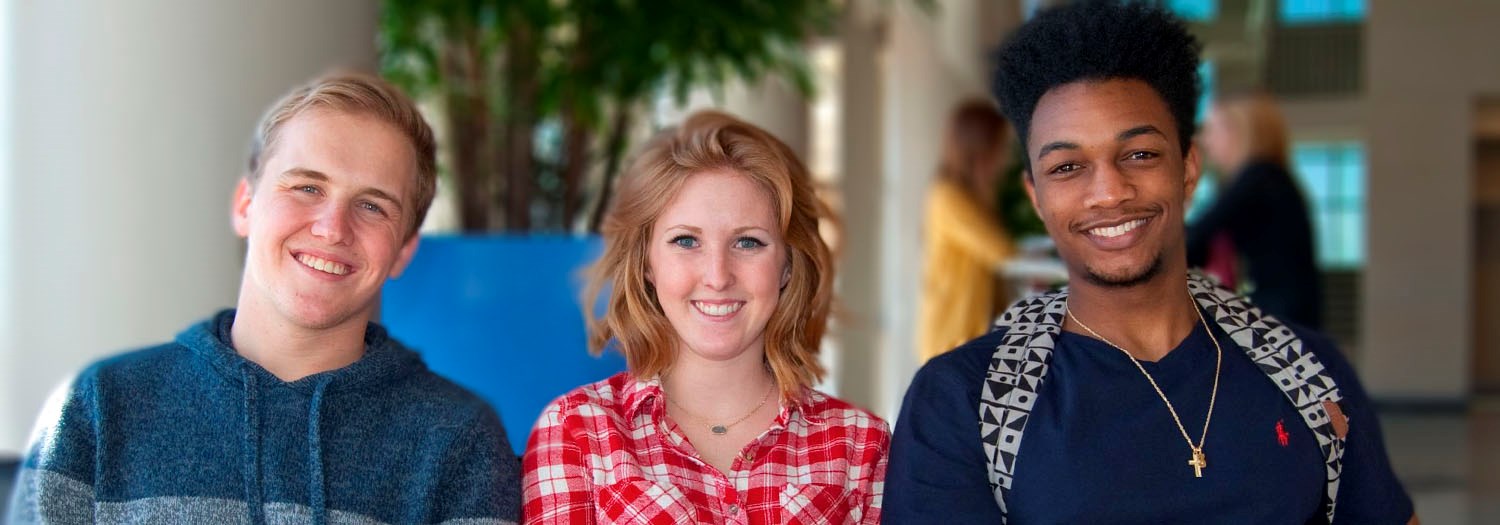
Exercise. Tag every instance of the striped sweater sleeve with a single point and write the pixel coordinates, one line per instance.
(55, 484)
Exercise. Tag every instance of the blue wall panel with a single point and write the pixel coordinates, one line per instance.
(500, 315)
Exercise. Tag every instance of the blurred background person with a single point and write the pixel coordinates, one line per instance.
(1260, 209)
(965, 243)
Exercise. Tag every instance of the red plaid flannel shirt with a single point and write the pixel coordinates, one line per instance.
(606, 453)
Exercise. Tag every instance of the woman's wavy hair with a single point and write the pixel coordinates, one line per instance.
(708, 141)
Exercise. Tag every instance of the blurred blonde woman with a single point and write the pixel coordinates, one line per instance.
(718, 288)
(1261, 210)
(965, 242)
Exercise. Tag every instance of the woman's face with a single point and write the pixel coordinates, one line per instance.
(718, 262)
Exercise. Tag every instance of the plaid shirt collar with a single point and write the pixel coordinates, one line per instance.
(639, 395)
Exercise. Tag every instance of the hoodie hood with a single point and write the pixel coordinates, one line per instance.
(385, 359)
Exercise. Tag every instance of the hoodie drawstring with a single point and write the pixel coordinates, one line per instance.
(251, 455)
(316, 489)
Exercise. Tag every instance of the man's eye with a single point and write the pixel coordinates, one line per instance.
(684, 241)
(1142, 155)
(1066, 168)
(372, 207)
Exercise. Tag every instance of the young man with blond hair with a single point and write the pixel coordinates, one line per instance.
(294, 406)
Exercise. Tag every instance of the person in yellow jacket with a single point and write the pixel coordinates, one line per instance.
(966, 244)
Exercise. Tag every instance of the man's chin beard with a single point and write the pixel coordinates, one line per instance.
(1124, 281)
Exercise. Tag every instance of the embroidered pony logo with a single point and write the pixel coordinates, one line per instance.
(1281, 436)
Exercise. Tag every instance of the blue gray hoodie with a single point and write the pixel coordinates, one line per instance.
(190, 432)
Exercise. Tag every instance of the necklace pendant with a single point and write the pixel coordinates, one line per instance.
(1199, 462)
(719, 430)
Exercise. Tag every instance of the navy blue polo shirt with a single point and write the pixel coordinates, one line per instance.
(1101, 446)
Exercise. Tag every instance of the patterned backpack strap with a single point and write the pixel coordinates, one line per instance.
(1279, 354)
(1014, 378)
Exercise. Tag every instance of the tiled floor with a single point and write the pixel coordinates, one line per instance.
(1449, 461)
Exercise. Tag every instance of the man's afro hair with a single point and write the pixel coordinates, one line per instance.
(1096, 41)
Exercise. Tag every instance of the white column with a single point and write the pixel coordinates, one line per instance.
(8, 359)
(861, 346)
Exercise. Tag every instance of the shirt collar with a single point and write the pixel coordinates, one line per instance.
(807, 407)
(637, 392)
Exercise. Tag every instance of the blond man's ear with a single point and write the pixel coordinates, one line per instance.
(239, 207)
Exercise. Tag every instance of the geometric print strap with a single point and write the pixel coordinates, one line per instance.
(1280, 355)
(1015, 376)
(1021, 361)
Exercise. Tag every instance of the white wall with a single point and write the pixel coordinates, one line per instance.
(128, 124)
(1426, 62)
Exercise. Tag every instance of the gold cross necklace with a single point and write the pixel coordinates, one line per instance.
(1198, 461)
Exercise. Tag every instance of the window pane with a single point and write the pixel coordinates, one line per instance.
(1203, 197)
(1205, 99)
(1314, 177)
(1352, 244)
(1195, 10)
(1333, 176)
(1325, 234)
(1321, 11)
(1310, 154)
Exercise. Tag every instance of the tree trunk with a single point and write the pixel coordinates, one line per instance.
(523, 66)
(579, 127)
(615, 151)
(575, 164)
(468, 131)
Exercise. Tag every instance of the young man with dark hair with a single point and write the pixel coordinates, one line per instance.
(294, 407)
(1140, 393)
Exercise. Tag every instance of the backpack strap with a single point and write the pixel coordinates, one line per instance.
(1032, 326)
(1014, 378)
(1279, 353)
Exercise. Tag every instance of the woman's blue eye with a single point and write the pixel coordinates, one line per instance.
(748, 243)
(307, 189)
(684, 241)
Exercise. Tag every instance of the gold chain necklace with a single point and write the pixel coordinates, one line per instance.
(1198, 460)
(720, 430)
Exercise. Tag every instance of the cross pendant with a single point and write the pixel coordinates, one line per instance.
(1198, 462)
